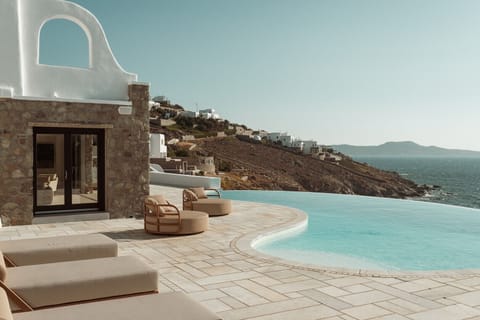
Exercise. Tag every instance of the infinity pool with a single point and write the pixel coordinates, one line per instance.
(374, 233)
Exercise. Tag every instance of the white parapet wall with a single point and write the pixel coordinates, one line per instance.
(23, 76)
(183, 181)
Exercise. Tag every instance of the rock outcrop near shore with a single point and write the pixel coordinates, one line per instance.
(259, 166)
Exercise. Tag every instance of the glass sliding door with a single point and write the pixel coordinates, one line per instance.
(84, 168)
(68, 167)
(50, 166)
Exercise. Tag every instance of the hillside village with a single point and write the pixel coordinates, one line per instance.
(202, 143)
(164, 114)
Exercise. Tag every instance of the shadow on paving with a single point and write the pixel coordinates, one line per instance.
(138, 234)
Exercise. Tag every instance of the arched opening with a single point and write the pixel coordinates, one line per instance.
(64, 43)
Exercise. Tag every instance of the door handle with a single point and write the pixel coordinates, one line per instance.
(66, 175)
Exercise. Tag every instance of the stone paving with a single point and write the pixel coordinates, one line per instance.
(219, 269)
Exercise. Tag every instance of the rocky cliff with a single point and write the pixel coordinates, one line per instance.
(260, 166)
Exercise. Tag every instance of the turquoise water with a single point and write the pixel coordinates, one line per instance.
(375, 233)
(459, 178)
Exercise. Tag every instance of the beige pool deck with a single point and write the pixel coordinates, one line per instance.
(220, 270)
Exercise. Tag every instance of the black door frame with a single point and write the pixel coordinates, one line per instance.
(68, 206)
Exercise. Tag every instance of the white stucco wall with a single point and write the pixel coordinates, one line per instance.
(183, 181)
(21, 22)
(158, 149)
(308, 145)
(10, 73)
(298, 144)
(274, 136)
(287, 140)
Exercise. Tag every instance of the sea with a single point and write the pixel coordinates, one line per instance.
(458, 178)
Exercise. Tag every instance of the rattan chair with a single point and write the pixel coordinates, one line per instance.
(197, 199)
(162, 217)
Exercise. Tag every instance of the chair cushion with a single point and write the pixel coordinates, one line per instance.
(74, 281)
(171, 306)
(61, 248)
(199, 192)
(193, 222)
(167, 209)
(160, 199)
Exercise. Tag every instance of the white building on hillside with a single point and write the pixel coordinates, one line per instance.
(287, 140)
(209, 114)
(158, 148)
(310, 147)
(190, 114)
(298, 145)
(159, 99)
(275, 136)
(153, 104)
(205, 113)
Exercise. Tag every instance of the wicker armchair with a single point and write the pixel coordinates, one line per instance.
(193, 194)
(162, 217)
(197, 199)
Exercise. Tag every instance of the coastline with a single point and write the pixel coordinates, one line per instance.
(455, 181)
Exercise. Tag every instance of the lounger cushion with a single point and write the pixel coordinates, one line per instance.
(3, 268)
(74, 281)
(5, 313)
(168, 306)
(61, 248)
(214, 207)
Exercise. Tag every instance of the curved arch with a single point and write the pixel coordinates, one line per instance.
(71, 21)
(104, 79)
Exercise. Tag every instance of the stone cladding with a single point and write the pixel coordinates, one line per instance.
(126, 150)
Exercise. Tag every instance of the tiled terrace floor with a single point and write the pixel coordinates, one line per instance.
(214, 269)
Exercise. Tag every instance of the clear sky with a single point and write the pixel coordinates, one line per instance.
(360, 72)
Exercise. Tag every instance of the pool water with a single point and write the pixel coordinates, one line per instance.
(374, 233)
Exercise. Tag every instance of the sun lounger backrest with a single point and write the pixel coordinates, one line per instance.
(5, 312)
(3, 268)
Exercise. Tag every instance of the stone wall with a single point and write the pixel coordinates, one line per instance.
(16, 162)
(126, 150)
(128, 168)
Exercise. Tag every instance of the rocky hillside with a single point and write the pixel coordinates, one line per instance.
(248, 165)
(259, 166)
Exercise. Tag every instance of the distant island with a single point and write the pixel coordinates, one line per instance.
(403, 149)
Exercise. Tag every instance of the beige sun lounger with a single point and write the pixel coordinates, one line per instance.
(51, 284)
(168, 306)
(24, 252)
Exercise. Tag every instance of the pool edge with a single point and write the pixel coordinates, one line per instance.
(244, 244)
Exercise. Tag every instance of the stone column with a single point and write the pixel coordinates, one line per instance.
(128, 158)
(16, 159)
